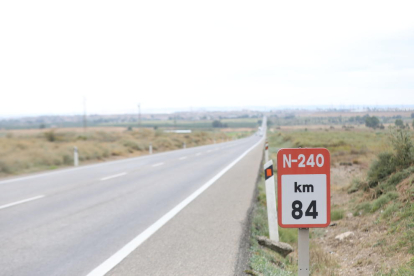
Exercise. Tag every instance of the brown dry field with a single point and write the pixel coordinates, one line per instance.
(353, 114)
(60, 130)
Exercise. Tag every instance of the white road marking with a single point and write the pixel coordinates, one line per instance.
(198, 154)
(113, 176)
(21, 201)
(158, 164)
(182, 158)
(209, 151)
(115, 259)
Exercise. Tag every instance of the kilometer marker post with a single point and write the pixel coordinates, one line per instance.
(303, 185)
(271, 201)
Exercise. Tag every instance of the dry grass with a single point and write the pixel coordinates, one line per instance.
(23, 151)
(379, 245)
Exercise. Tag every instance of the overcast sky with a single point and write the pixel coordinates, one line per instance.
(192, 54)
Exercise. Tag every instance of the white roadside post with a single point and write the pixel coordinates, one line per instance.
(150, 148)
(271, 201)
(75, 156)
(184, 146)
(303, 185)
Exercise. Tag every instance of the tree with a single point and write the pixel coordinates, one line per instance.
(372, 122)
(399, 123)
(413, 124)
(412, 115)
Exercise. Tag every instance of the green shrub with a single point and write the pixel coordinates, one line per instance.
(50, 135)
(384, 166)
(390, 210)
(382, 200)
(403, 146)
(337, 214)
(363, 208)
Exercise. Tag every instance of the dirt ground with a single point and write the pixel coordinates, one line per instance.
(366, 251)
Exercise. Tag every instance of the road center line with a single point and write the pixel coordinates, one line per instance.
(198, 154)
(182, 158)
(21, 201)
(158, 164)
(113, 176)
(209, 151)
(115, 259)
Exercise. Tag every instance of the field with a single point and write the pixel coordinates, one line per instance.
(31, 150)
(376, 207)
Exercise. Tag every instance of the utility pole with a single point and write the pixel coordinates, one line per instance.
(84, 115)
(139, 115)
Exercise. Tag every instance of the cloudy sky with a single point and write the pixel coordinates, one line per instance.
(192, 54)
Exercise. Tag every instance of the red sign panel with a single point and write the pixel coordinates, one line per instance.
(303, 181)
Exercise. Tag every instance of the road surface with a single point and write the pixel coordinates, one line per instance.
(86, 220)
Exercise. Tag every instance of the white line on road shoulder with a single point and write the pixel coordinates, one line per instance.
(21, 201)
(209, 151)
(198, 154)
(182, 158)
(115, 259)
(158, 164)
(113, 176)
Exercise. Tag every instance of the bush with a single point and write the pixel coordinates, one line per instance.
(337, 214)
(372, 122)
(403, 146)
(50, 136)
(381, 168)
(383, 200)
(399, 123)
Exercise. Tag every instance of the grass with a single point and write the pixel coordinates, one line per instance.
(337, 214)
(264, 261)
(355, 147)
(36, 150)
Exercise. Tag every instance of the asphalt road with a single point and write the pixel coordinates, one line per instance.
(69, 222)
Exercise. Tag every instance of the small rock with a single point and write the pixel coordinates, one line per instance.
(280, 247)
(333, 224)
(343, 236)
(349, 215)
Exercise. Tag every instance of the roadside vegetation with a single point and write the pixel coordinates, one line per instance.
(372, 188)
(24, 151)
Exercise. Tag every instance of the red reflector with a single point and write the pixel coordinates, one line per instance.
(269, 172)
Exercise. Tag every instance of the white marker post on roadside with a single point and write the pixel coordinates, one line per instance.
(150, 148)
(266, 151)
(271, 201)
(184, 146)
(75, 157)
